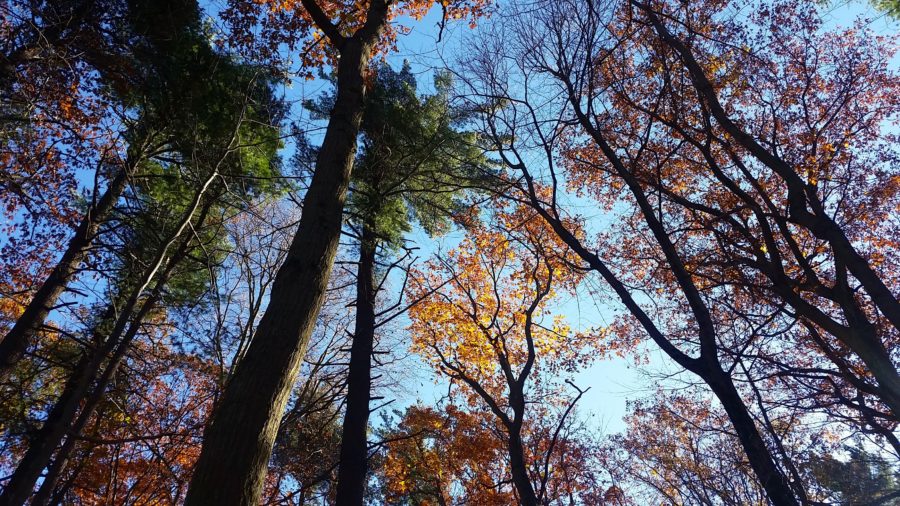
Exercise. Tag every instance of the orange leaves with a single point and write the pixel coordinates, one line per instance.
(437, 453)
(284, 32)
(151, 427)
(488, 301)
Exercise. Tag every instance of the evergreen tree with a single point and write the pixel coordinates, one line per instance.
(415, 162)
(861, 479)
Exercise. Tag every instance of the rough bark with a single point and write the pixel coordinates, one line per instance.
(239, 439)
(351, 484)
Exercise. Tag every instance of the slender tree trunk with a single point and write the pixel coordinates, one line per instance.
(16, 341)
(239, 439)
(22, 482)
(54, 471)
(351, 483)
(61, 417)
(707, 368)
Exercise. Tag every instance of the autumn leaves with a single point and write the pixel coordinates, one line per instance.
(720, 179)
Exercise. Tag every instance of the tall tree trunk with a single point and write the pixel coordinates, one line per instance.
(707, 367)
(351, 483)
(239, 439)
(54, 471)
(16, 341)
(61, 417)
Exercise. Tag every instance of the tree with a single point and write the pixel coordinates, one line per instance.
(863, 478)
(413, 164)
(454, 455)
(168, 56)
(484, 323)
(239, 440)
(591, 65)
(679, 450)
(221, 133)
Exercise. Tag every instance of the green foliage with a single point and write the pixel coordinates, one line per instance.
(203, 111)
(192, 98)
(863, 478)
(415, 156)
(890, 7)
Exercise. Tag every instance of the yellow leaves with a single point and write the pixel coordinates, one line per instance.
(477, 321)
(716, 64)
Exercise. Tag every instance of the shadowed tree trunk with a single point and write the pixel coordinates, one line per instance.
(61, 417)
(807, 210)
(351, 484)
(238, 442)
(518, 469)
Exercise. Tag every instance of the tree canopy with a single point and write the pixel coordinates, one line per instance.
(418, 253)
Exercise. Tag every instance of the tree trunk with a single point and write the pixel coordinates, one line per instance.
(45, 492)
(770, 476)
(239, 439)
(22, 482)
(61, 417)
(16, 341)
(518, 470)
(351, 483)
(707, 368)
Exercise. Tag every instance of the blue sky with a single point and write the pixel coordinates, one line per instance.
(612, 381)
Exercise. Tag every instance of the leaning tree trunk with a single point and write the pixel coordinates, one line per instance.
(238, 442)
(63, 413)
(351, 483)
(64, 421)
(54, 471)
(707, 368)
(16, 341)
(761, 459)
